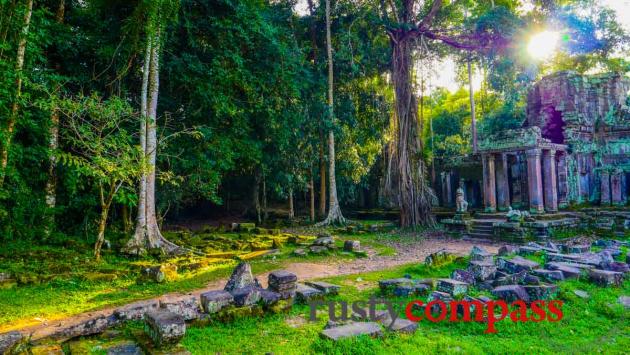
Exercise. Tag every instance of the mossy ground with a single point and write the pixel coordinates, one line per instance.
(63, 279)
(594, 325)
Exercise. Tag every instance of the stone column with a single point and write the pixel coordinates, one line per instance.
(534, 181)
(604, 177)
(489, 185)
(615, 188)
(503, 188)
(449, 194)
(563, 184)
(551, 182)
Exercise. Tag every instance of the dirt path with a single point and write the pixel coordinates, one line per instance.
(406, 253)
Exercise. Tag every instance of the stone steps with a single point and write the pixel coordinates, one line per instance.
(479, 235)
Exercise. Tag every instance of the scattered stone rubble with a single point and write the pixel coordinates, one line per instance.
(324, 243)
(165, 319)
(511, 277)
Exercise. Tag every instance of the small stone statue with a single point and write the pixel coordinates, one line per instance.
(462, 205)
(513, 215)
(517, 215)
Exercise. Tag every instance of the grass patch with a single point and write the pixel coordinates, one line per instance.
(595, 325)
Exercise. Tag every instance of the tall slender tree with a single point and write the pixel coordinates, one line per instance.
(147, 234)
(334, 210)
(15, 106)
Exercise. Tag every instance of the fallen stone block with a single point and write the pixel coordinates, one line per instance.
(507, 250)
(404, 291)
(480, 254)
(511, 293)
(246, 296)
(581, 294)
(325, 287)
(241, 277)
(135, 311)
(318, 249)
(452, 287)
(463, 276)
(214, 301)
(351, 245)
(549, 275)
(323, 241)
(541, 292)
(11, 342)
(46, 349)
(421, 289)
(482, 270)
(617, 266)
(400, 325)
(578, 248)
(187, 307)
(89, 327)
(159, 273)
(527, 250)
(269, 298)
(516, 264)
(352, 330)
(304, 293)
(531, 280)
(389, 285)
(281, 277)
(568, 272)
(624, 301)
(579, 266)
(164, 327)
(510, 279)
(125, 348)
(284, 283)
(438, 258)
(605, 277)
(299, 252)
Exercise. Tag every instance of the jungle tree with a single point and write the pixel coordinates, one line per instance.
(147, 234)
(404, 28)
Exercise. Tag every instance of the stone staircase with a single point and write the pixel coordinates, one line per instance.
(481, 229)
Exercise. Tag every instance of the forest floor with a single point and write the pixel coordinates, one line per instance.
(64, 285)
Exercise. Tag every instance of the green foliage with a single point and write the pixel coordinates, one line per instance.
(99, 146)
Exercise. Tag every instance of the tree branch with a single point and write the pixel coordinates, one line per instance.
(427, 21)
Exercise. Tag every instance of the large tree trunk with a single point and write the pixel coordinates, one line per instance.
(147, 234)
(414, 194)
(19, 66)
(334, 211)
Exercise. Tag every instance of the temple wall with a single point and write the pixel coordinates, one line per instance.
(596, 122)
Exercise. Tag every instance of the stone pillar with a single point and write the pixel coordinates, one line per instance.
(503, 188)
(489, 185)
(551, 182)
(604, 178)
(534, 181)
(563, 183)
(615, 189)
(449, 193)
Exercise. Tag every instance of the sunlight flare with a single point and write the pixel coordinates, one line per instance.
(543, 45)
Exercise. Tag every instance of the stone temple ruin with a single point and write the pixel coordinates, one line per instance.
(573, 149)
